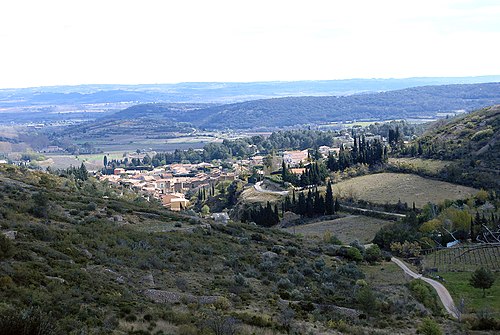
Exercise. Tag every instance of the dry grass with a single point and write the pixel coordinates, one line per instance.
(250, 195)
(384, 188)
(429, 166)
(347, 229)
(386, 273)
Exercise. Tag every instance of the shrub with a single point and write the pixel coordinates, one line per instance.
(482, 134)
(424, 295)
(6, 247)
(27, 322)
(354, 254)
(373, 254)
(285, 284)
(366, 299)
(351, 271)
(429, 327)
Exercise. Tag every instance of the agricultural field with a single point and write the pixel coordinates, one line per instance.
(426, 166)
(466, 258)
(93, 162)
(384, 188)
(347, 229)
(132, 143)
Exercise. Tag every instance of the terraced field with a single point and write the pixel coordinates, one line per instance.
(466, 258)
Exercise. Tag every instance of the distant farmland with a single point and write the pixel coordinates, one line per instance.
(384, 188)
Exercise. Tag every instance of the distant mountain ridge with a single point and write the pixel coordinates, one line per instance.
(418, 102)
(221, 92)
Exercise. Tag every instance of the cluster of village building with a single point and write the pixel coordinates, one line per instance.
(170, 183)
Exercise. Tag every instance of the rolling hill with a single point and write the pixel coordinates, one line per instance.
(418, 102)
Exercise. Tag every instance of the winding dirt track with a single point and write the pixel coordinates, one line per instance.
(258, 188)
(442, 292)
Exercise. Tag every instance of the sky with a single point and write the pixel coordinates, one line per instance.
(71, 42)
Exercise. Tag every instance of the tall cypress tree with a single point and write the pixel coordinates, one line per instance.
(301, 204)
(329, 201)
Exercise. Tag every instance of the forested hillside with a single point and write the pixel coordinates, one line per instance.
(419, 102)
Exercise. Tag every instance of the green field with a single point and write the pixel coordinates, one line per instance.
(347, 229)
(384, 188)
(458, 285)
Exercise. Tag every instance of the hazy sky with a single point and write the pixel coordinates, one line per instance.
(50, 42)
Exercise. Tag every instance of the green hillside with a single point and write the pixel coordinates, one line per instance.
(77, 256)
(471, 142)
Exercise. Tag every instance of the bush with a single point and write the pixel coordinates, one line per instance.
(429, 327)
(27, 322)
(366, 299)
(424, 295)
(354, 254)
(373, 254)
(6, 247)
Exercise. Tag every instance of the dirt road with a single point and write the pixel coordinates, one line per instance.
(364, 210)
(442, 292)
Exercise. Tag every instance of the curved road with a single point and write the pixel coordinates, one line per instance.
(442, 292)
(258, 188)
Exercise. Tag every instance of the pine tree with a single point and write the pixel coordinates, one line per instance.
(482, 278)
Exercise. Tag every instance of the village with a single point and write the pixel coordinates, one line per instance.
(172, 184)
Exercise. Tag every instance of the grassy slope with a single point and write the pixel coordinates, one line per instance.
(384, 188)
(90, 264)
(347, 229)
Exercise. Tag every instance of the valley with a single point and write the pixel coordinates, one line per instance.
(190, 215)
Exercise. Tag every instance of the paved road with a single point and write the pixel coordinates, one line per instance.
(442, 292)
(258, 188)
